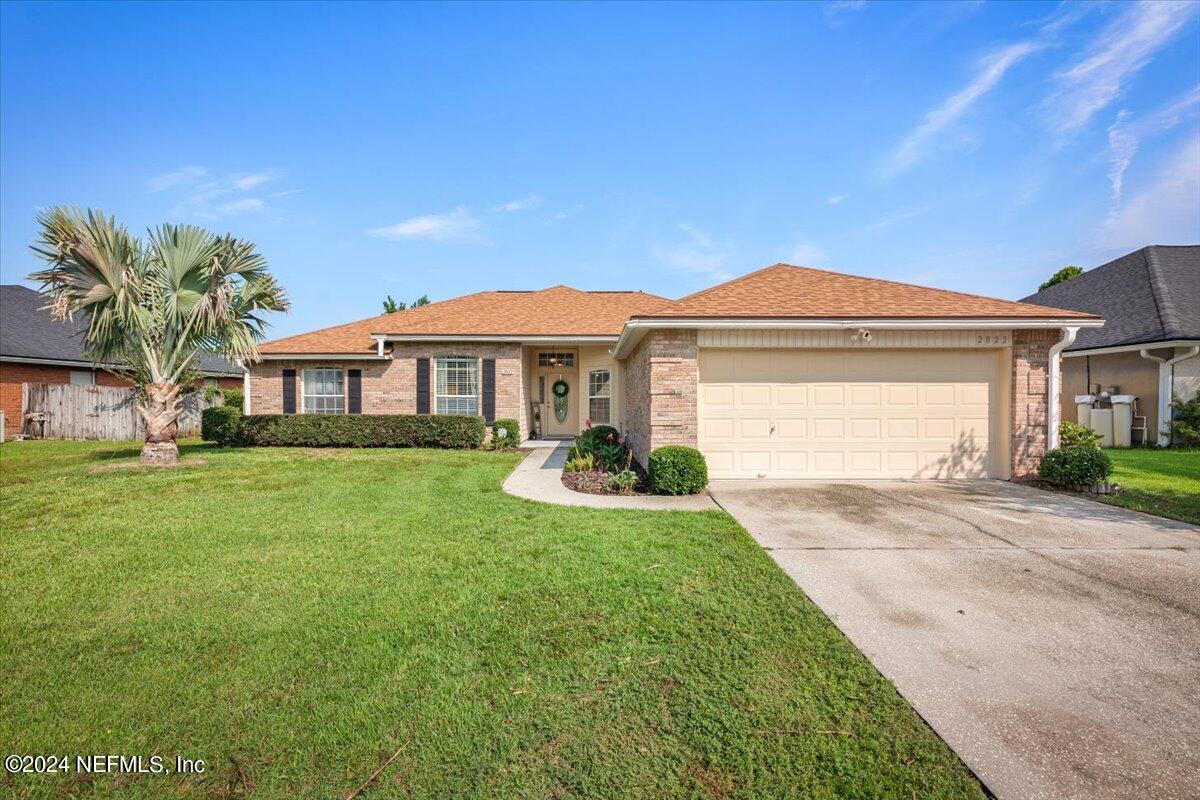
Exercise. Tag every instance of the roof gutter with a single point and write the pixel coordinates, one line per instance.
(321, 357)
(1132, 348)
(635, 329)
(458, 337)
(62, 362)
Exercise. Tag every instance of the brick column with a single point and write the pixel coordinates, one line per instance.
(1030, 399)
(661, 384)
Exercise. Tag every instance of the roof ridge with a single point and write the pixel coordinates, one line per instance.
(732, 281)
(371, 318)
(1168, 321)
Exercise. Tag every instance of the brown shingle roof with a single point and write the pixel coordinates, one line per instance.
(557, 311)
(784, 291)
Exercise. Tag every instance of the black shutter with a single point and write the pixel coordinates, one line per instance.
(422, 385)
(289, 391)
(354, 401)
(489, 390)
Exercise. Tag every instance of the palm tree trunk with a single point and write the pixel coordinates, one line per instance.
(161, 417)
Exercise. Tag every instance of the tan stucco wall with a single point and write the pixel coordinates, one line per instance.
(1129, 372)
(1187, 375)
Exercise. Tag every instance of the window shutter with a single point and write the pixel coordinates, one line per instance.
(489, 390)
(422, 385)
(354, 387)
(289, 391)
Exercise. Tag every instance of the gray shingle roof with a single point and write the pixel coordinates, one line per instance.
(1149, 295)
(28, 331)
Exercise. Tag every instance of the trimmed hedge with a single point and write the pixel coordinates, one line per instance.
(234, 397)
(1077, 465)
(354, 430)
(675, 469)
(512, 433)
(221, 424)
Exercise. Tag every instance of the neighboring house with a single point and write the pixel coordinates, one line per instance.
(1150, 343)
(787, 372)
(34, 348)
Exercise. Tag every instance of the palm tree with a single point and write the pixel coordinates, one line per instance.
(152, 307)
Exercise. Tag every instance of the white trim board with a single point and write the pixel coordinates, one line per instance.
(979, 338)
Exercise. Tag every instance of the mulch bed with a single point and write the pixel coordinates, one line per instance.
(594, 481)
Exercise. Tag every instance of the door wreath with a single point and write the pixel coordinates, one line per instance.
(560, 390)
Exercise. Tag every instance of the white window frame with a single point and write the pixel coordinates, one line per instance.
(562, 360)
(304, 393)
(462, 403)
(82, 377)
(608, 396)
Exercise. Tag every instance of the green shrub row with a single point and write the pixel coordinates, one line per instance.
(675, 469)
(224, 425)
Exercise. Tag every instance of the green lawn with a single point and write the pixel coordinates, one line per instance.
(1161, 482)
(296, 617)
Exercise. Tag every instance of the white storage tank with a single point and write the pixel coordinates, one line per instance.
(1102, 423)
(1083, 408)
(1122, 421)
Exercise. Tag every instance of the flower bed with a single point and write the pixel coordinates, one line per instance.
(596, 481)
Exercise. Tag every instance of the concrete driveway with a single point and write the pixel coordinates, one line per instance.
(1053, 642)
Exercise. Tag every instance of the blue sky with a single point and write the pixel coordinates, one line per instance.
(443, 149)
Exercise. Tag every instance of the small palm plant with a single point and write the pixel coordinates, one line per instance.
(152, 307)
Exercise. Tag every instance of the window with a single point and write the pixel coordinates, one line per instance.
(324, 391)
(83, 377)
(456, 388)
(556, 359)
(599, 396)
(211, 382)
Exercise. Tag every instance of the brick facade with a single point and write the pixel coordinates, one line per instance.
(390, 387)
(1030, 400)
(661, 381)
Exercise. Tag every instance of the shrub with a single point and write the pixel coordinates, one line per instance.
(211, 393)
(362, 430)
(505, 433)
(221, 424)
(1185, 427)
(677, 470)
(591, 439)
(1077, 465)
(623, 481)
(234, 397)
(1071, 434)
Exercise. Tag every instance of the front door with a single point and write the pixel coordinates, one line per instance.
(560, 415)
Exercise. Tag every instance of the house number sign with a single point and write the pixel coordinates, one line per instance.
(991, 338)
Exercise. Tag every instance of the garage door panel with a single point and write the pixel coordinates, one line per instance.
(848, 414)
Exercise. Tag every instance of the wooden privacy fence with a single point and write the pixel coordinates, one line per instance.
(62, 411)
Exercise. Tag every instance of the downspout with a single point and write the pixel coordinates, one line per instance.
(1165, 371)
(245, 387)
(1054, 390)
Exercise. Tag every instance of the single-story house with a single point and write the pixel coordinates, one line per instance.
(788, 372)
(1149, 346)
(35, 348)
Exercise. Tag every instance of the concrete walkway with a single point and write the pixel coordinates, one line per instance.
(1052, 641)
(539, 477)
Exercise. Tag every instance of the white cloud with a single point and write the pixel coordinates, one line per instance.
(1125, 135)
(992, 68)
(1166, 210)
(238, 206)
(806, 254)
(570, 212)
(1124, 46)
(838, 12)
(458, 225)
(254, 179)
(834, 199)
(520, 204)
(699, 254)
(896, 218)
(181, 176)
(204, 197)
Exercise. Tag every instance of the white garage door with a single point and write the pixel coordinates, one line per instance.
(796, 413)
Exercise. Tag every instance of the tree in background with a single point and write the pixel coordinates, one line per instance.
(1064, 274)
(390, 306)
(153, 307)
